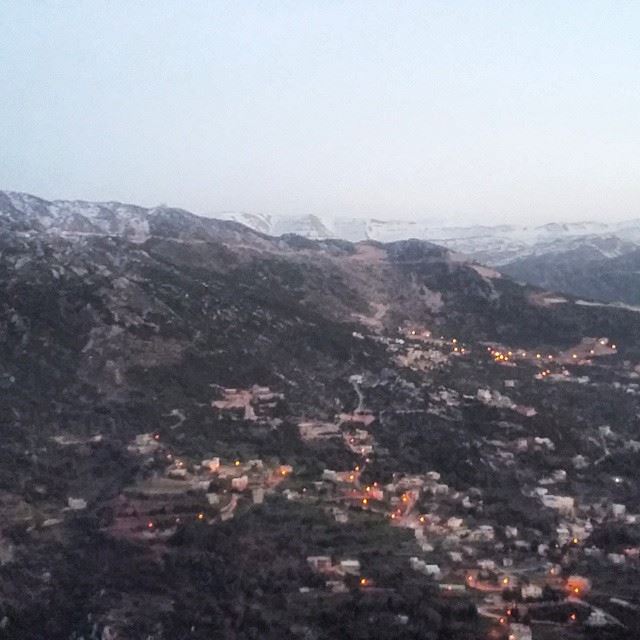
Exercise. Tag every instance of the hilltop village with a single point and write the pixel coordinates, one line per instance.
(550, 548)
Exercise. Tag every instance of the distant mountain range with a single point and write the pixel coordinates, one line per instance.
(593, 260)
(588, 259)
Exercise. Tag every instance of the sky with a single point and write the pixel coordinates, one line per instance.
(452, 111)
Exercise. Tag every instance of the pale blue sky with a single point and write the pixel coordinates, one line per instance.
(477, 111)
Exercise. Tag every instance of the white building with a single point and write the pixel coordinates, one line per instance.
(563, 504)
(531, 592)
(618, 510)
(319, 563)
(77, 504)
(350, 566)
(597, 618)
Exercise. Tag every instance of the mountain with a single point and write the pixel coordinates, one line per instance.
(210, 431)
(581, 259)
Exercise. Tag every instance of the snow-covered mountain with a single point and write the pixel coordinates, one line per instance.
(589, 259)
(493, 245)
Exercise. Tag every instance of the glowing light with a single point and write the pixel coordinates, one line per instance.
(237, 463)
(150, 525)
(573, 617)
(505, 580)
(363, 582)
(365, 501)
(200, 516)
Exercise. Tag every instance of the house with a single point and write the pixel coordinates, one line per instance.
(484, 533)
(544, 443)
(240, 483)
(340, 515)
(235, 403)
(320, 563)
(454, 523)
(336, 586)
(257, 495)
(212, 465)
(351, 567)
(618, 510)
(433, 570)
(330, 475)
(563, 504)
(144, 444)
(579, 462)
(357, 418)
(77, 504)
(531, 592)
(597, 618)
(616, 558)
(563, 535)
(318, 430)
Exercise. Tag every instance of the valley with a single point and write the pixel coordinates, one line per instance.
(256, 437)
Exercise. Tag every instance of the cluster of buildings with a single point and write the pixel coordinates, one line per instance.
(257, 403)
(184, 491)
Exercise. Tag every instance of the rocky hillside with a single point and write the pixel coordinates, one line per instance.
(582, 259)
